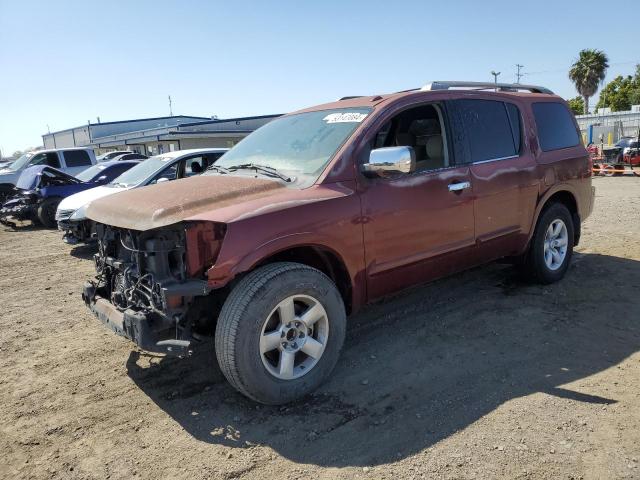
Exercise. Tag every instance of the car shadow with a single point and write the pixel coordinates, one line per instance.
(22, 226)
(421, 366)
(84, 251)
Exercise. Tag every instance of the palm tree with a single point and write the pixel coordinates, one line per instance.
(588, 72)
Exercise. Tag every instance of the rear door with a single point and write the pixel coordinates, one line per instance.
(75, 161)
(503, 172)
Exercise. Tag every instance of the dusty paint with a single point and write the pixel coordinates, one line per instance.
(168, 203)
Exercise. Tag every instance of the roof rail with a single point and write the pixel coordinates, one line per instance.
(350, 97)
(503, 87)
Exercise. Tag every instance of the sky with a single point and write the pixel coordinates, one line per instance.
(63, 63)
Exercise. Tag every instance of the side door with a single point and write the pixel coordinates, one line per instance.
(504, 173)
(75, 161)
(417, 226)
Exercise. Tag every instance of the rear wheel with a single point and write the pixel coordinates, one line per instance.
(47, 212)
(280, 332)
(551, 247)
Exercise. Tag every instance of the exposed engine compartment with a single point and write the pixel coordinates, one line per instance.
(134, 266)
(150, 289)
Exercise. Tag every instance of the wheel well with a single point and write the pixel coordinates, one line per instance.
(322, 259)
(569, 201)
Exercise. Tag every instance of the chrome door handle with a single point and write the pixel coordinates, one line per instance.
(457, 187)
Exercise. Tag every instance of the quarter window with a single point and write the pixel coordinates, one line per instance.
(556, 128)
(77, 158)
(490, 130)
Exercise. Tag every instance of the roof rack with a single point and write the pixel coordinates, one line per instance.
(503, 87)
(350, 97)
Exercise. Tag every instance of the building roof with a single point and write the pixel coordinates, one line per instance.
(127, 121)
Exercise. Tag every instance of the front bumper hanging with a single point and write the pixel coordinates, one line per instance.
(147, 331)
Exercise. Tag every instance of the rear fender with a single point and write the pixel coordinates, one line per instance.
(542, 202)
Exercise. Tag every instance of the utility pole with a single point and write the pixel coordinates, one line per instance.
(170, 109)
(495, 78)
(518, 74)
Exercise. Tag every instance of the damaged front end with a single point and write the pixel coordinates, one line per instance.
(23, 205)
(150, 286)
(74, 231)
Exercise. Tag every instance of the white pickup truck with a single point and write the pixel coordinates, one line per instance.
(69, 160)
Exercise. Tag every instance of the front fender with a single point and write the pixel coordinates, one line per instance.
(222, 273)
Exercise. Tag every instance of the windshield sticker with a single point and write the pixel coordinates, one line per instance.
(345, 117)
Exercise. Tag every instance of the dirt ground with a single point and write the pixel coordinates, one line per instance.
(475, 376)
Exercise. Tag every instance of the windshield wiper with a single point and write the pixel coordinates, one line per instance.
(218, 168)
(261, 168)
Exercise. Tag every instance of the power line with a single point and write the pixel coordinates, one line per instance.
(567, 69)
(518, 74)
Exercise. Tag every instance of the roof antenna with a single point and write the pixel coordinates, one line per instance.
(170, 109)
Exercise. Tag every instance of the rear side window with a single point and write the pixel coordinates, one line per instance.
(489, 129)
(77, 158)
(556, 129)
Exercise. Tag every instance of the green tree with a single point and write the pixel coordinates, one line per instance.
(621, 92)
(587, 72)
(576, 105)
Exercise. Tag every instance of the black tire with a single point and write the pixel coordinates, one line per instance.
(619, 167)
(242, 318)
(47, 212)
(534, 266)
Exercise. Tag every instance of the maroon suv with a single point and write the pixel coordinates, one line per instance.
(326, 209)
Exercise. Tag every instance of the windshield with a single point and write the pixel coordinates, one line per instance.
(89, 173)
(142, 171)
(298, 145)
(21, 162)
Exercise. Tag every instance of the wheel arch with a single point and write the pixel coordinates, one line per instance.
(565, 195)
(321, 258)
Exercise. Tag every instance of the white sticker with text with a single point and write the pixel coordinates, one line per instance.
(345, 117)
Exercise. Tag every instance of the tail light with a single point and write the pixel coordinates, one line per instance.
(203, 242)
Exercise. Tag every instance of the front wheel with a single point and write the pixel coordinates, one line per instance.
(551, 247)
(280, 332)
(47, 212)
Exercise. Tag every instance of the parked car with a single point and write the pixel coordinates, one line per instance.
(322, 211)
(130, 156)
(68, 160)
(111, 155)
(615, 154)
(40, 189)
(70, 214)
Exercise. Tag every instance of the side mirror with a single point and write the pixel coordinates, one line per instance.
(102, 179)
(162, 180)
(390, 160)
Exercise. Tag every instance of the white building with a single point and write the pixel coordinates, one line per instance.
(609, 125)
(157, 135)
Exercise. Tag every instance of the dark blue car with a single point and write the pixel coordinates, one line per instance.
(40, 189)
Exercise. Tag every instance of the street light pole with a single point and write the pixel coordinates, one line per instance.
(495, 78)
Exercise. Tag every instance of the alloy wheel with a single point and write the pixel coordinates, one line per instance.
(293, 337)
(556, 240)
